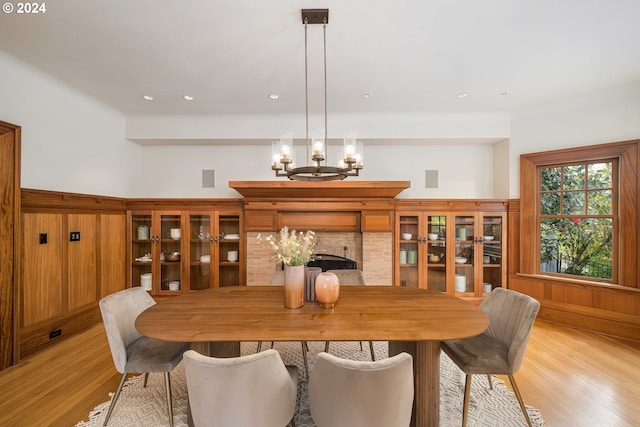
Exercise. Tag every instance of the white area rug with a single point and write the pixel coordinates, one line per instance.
(138, 406)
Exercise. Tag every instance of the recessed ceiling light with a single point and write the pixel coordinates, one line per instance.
(274, 96)
(367, 95)
(188, 97)
(148, 97)
(461, 95)
(503, 94)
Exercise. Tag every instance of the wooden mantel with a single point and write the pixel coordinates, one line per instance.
(326, 189)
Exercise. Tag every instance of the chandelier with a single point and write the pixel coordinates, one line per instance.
(349, 162)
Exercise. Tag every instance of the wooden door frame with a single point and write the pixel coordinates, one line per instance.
(10, 135)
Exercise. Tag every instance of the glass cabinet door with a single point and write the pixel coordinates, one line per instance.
(436, 251)
(408, 252)
(492, 252)
(201, 251)
(464, 260)
(169, 253)
(141, 274)
(230, 250)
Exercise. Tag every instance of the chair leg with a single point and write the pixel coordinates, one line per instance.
(167, 382)
(259, 349)
(146, 378)
(465, 406)
(326, 346)
(517, 393)
(490, 382)
(361, 349)
(304, 358)
(115, 399)
(373, 353)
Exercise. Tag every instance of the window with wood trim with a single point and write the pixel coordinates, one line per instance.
(579, 213)
(576, 218)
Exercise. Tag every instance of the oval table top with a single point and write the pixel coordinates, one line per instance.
(363, 313)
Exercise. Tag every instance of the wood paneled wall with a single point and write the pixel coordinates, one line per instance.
(608, 309)
(63, 278)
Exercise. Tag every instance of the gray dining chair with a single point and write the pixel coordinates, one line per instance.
(132, 352)
(277, 279)
(351, 278)
(247, 391)
(348, 393)
(500, 349)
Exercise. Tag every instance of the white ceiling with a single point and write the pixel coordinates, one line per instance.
(412, 56)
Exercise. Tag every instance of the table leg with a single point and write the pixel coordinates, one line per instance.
(426, 371)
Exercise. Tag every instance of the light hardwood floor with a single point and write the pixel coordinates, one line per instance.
(574, 378)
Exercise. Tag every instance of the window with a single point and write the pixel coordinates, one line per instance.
(577, 220)
(579, 213)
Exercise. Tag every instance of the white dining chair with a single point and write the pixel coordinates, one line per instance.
(349, 393)
(132, 352)
(247, 391)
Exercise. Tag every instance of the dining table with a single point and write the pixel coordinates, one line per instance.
(214, 321)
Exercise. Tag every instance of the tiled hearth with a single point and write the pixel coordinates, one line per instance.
(372, 252)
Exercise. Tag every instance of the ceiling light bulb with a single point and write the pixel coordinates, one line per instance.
(367, 95)
(461, 95)
(274, 96)
(503, 94)
(188, 97)
(148, 97)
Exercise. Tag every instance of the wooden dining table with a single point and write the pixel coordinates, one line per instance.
(216, 320)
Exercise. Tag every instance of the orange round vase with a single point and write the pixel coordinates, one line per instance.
(327, 289)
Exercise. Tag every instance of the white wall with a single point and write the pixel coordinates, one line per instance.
(70, 142)
(600, 117)
(465, 171)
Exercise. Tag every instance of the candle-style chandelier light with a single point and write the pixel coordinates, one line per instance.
(349, 162)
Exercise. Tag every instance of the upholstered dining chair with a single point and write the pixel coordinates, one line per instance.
(500, 349)
(246, 391)
(348, 393)
(132, 352)
(277, 279)
(351, 278)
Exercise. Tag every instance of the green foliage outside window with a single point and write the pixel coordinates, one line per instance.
(576, 219)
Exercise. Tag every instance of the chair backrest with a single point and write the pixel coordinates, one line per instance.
(246, 391)
(511, 316)
(349, 277)
(119, 312)
(277, 278)
(347, 393)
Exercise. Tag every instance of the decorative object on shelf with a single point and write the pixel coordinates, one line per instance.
(327, 289)
(403, 256)
(412, 257)
(283, 156)
(175, 233)
(232, 256)
(174, 285)
(460, 283)
(206, 259)
(173, 256)
(461, 260)
(433, 236)
(310, 275)
(143, 232)
(406, 236)
(293, 250)
(462, 233)
(434, 258)
(145, 281)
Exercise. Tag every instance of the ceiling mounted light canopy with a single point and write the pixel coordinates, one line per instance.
(349, 162)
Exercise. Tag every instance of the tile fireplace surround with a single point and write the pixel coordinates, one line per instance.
(372, 252)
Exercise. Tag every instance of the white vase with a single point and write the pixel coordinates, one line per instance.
(293, 286)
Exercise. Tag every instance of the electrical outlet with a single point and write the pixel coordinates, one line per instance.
(74, 236)
(43, 238)
(55, 333)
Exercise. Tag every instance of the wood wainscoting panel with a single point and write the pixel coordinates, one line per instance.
(112, 249)
(377, 220)
(320, 221)
(260, 220)
(41, 268)
(82, 280)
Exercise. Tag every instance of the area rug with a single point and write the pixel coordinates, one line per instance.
(138, 406)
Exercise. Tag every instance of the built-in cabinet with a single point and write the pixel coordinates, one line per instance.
(173, 252)
(460, 253)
